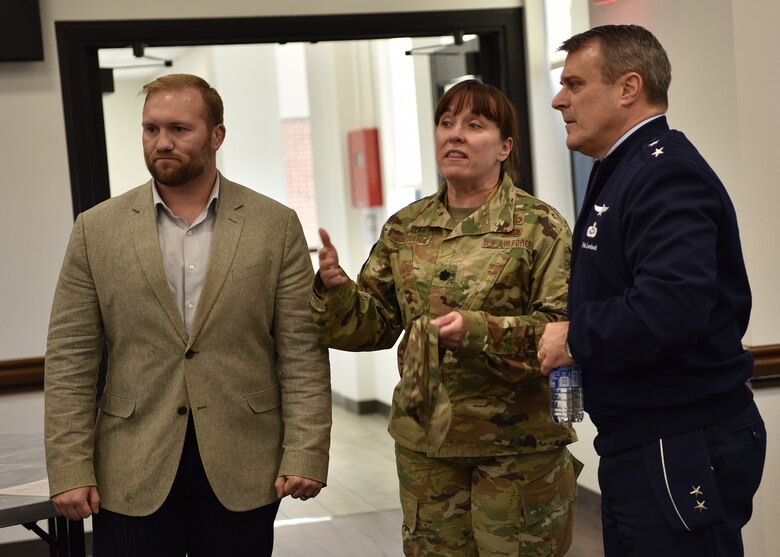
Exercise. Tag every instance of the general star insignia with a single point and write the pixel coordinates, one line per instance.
(700, 506)
(696, 490)
(658, 151)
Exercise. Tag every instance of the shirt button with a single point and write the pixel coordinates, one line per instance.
(190, 305)
(189, 233)
(191, 267)
(189, 354)
(182, 410)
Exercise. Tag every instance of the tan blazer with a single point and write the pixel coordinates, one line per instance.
(253, 372)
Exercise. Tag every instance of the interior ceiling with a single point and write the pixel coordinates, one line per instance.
(127, 65)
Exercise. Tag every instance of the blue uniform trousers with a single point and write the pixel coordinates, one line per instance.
(686, 496)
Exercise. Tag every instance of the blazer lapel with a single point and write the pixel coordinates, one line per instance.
(143, 227)
(227, 231)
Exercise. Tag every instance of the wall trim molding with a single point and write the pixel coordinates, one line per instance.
(21, 375)
(766, 372)
(27, 374)
(361, 407)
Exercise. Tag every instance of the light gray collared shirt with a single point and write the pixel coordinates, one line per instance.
(185, 251)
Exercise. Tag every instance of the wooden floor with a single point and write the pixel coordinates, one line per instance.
(359, 515)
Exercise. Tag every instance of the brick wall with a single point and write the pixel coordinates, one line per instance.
(299, 171)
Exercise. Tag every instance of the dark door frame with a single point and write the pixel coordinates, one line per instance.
(501, 62)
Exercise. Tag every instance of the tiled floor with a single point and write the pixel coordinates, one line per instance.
(362, 476)
(358, 514)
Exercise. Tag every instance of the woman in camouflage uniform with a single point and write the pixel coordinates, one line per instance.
(470, 275)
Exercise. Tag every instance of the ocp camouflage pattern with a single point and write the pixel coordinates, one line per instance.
(505, 268)
(524, 504)
(422, 395)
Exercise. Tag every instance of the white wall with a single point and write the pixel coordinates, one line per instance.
(122, 114)
(252, 153)
(331, 74)
(291, 81)
(761, 534)
(552, 170)
(758, 198)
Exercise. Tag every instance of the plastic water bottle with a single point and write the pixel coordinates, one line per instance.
(566, 394)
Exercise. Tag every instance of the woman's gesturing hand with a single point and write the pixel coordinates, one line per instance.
(331, 274)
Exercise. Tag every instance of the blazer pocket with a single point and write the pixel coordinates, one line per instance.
(252, 270)
(116, 405)
(265, 400)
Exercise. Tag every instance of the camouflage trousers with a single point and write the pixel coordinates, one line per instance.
(517, 505)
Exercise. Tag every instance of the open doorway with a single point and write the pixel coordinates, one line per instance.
(500, 58)
(283, 113)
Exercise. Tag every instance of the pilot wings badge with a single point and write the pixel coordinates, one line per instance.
(600, 209)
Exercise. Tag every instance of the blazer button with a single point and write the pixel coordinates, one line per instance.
(189, 354)
(182, 410)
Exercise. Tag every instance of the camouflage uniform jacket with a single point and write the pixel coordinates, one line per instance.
(505, 268)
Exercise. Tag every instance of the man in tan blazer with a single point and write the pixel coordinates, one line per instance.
(217, 398)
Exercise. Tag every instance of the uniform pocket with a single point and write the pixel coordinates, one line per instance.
(405, 282)
(682, 478)
(548, 505)
(550, 494)
(409, 509)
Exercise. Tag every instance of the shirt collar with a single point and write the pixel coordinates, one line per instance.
(213, 198)
(494, 215)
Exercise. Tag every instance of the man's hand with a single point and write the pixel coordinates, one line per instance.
(551, 353)
(77, 503)
(297, 487)
(451, 329)
(331, 274)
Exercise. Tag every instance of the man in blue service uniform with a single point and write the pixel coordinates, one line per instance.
(658, 304)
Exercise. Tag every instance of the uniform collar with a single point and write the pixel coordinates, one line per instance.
(495, 215)
(648, 129)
